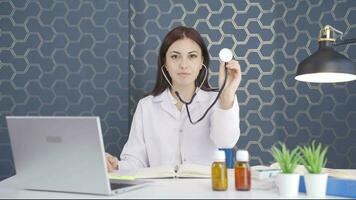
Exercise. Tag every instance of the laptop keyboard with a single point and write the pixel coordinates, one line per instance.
(115, 186)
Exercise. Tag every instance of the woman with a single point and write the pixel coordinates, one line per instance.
(161, 133)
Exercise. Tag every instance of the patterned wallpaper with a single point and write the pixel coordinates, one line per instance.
(269, 38)
(98, 58)
(64, 58)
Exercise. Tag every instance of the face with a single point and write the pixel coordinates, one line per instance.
(183, 61)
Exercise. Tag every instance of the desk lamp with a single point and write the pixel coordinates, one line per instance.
(327, 65)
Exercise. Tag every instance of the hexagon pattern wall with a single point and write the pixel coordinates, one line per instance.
(99, 57)
(64, 58)
(269, 38)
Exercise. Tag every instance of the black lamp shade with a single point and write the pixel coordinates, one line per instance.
(326, 66)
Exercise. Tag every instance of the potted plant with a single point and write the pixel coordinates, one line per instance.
(287, 181)
(314, 160)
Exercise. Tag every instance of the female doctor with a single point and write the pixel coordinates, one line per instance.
(161, 133)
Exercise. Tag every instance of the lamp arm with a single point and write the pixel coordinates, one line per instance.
(348, 41)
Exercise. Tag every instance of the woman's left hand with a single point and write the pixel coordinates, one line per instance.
(232, 82)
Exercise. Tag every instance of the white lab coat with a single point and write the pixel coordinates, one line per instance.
(162, 135)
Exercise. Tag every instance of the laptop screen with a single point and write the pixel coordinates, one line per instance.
(59, 154)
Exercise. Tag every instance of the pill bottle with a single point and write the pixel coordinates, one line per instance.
(219, 172)
(242, 171)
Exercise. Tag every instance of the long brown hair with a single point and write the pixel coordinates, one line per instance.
(175, 34)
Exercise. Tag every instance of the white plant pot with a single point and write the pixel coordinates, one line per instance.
(315, 184)
(288, 184)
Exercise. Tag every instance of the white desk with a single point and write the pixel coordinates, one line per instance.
(159, 188)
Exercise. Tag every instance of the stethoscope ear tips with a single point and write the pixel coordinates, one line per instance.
(225, 55)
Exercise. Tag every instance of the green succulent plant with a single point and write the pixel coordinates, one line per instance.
(287, 160)
(314, 157)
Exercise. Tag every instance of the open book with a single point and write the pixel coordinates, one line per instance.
(179, 171)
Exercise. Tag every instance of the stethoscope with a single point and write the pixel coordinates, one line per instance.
(225, 55)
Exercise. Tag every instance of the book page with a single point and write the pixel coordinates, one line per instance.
(194, 171)
(341, 173)
(184, 171)
(156, 172)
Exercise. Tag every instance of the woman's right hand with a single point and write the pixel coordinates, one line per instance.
(111, 162)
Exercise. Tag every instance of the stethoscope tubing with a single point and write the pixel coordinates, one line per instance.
(195, 93)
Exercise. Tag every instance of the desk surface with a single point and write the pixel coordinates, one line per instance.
(160, 188)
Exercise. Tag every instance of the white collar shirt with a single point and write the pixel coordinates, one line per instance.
(162, 135)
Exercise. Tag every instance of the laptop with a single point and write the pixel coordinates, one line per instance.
(63, 154)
